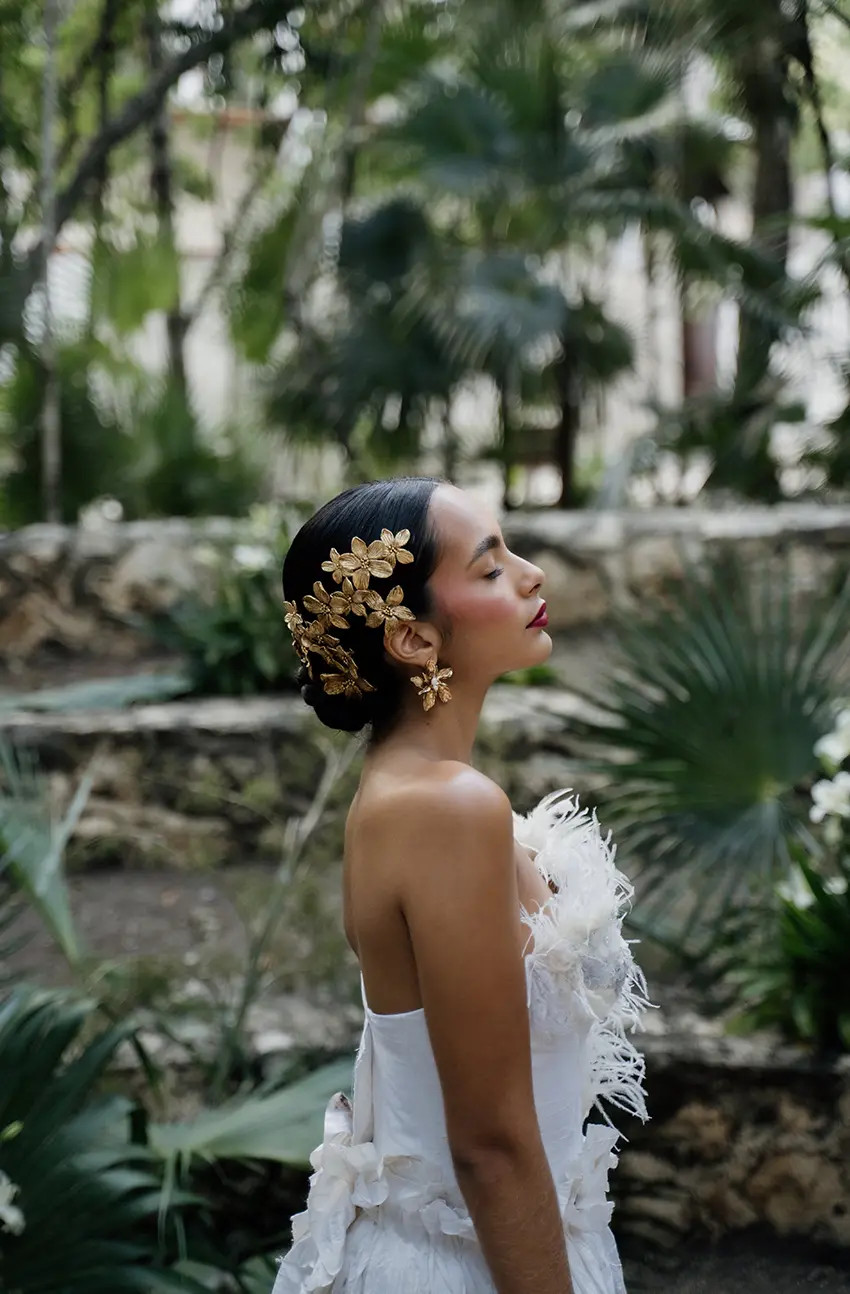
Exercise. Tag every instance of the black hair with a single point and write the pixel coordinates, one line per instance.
(364, 511)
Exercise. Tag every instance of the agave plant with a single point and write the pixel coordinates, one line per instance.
(88, 1192)
(705, 736)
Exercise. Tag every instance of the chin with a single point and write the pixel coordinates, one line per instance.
(536, 653)
(543, 646)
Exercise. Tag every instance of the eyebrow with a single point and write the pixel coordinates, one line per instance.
(485, 546)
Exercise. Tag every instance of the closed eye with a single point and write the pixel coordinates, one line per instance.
(494, 575)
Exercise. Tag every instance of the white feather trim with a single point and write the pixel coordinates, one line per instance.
(579, 949)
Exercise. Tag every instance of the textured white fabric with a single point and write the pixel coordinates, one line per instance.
(384, 1213)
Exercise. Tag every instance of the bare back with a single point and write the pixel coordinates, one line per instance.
(391, 806)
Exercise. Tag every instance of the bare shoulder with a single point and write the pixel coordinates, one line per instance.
(449, 802)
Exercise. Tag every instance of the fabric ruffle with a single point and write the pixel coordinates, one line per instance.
(351, 1178)
(581, 970)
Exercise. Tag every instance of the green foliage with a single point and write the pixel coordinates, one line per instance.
(705, 734)
(284, 1126)
(733, 431)
(795, 974)
(97, 453)
(370, 354)
(522, 141)
(94, 1198)
(89, 1188)
(233, 639)
(128, 285)
(161, 463)
(101, 693)
(534, 676)
(178, 471)
(32, 845)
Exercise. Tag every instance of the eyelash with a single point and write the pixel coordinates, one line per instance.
(494, 575)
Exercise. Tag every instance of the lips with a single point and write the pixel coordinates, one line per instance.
(540, 621)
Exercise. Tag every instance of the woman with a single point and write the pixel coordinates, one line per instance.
(497, 986)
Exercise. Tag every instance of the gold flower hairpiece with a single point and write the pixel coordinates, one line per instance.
(331, 610)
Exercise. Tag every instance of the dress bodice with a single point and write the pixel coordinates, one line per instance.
(387, 1153)
(397, 1081)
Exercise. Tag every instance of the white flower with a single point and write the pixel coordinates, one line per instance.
(252, 557)
(831, 798)
(832, 833)
(834, 748)
(11, 1217)
(795, 890)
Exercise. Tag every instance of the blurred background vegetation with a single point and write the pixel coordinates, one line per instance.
(599, 252)
(587, 254)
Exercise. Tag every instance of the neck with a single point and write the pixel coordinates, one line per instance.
(446, 732)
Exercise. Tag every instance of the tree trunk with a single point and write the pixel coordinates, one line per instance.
(507, 442)
(100, 179)
(772, 203)
(566, 432)
(450, 441)
(162, 190)
(51, 409)
(699, 349)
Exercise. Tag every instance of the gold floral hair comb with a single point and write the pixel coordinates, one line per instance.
(331, 610)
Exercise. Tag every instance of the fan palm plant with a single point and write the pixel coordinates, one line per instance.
(90, 1192)
(367, 376)
(704, 736)
(532, 151)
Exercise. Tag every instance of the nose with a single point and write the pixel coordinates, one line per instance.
(532, 577)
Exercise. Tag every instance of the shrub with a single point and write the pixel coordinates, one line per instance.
(797, 976)
(234, 639)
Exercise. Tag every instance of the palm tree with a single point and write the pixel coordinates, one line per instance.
(534, 142)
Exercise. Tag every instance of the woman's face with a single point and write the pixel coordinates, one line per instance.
(487, 594)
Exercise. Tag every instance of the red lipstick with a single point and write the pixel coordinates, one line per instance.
(541, 620)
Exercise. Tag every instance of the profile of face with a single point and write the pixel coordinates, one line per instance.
(488, 613)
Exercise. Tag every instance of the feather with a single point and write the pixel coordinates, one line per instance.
(579, 953)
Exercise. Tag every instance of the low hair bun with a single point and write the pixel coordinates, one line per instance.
(365, 512)
(343, 714)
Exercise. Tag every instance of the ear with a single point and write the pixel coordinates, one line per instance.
(413, 644)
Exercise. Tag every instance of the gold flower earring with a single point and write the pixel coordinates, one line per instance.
(432, 685)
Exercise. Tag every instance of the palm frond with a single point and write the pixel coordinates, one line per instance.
(89, 1194)
(282, 1126)
(33, 842)
(488, 307)
(719, 695)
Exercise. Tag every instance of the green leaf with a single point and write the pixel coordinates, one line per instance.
(106, 693)
(285, 1126)
(32, 844)
(128, 285)
(706, 735)
(90, 1196)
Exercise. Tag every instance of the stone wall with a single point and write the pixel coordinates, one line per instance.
(78, 590)
(744, 1132)
(195, 784)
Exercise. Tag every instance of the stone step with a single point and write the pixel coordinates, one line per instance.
(200, 784)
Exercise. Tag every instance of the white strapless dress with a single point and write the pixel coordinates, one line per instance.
(384, 1213)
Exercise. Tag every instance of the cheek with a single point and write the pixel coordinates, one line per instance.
(482, 606)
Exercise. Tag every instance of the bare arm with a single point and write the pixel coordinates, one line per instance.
(462, 909)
